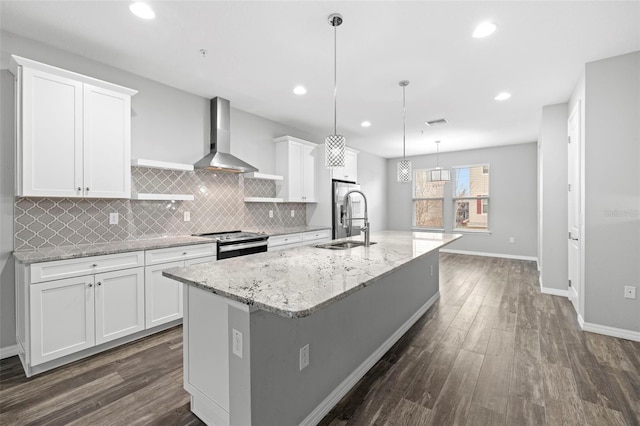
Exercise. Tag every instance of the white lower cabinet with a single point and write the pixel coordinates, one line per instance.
(119, 304)
(62, 318)
(70, 306)
(163, 296)
(73, 314)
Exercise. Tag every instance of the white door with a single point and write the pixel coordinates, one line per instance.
(119, 298)
(574, 207)
(62, 318)
(308, 174)
(50, 152)
(107, 143)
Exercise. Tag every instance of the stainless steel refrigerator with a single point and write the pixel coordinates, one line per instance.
(343, 213)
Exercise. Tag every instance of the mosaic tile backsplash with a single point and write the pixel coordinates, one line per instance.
(218, 206)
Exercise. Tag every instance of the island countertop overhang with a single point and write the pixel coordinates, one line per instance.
(296, 282)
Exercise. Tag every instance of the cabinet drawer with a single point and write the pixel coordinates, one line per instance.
(280, 240)
(154, 257)
(316, 235)
(59, 269)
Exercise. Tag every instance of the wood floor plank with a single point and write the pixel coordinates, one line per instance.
(407, 413)
(597, 415)
(563, 405)
(478, 336)
(433, 370)
(454, 402)
(522, 412)
(527, 378)
(467, 313)
(492, 389)
(481, 416)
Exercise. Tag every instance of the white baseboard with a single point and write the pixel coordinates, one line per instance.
(8, 351)
(481, 253)
(609, 331)
(341, 390)
(554, 291)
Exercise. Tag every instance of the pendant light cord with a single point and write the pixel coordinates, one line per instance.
(335, 80)
(404, 119)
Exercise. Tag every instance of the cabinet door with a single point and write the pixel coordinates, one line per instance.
(49, 160)
(107, 143)
(62, 318)
(296, 172)
(163, 296)
(119, 299)
(308, 174)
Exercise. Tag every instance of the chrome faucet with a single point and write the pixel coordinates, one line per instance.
(367, 227)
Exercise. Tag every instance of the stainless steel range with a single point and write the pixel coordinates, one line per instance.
(237, 243)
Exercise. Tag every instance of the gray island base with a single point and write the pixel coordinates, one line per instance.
(248, 320)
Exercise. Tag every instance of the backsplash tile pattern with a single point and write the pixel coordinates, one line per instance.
(218, 206)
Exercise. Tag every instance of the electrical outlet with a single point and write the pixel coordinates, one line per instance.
(271, 213)
(113, 218)
(512, 240)
(629, 292)
(237, 343)
(187, 216)
(293, 213)
(304, 356)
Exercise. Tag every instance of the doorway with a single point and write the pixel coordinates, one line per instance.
(574, 209)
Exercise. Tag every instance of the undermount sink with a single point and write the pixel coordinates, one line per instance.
(342, 245)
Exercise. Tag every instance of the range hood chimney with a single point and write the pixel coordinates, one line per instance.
(220, 158)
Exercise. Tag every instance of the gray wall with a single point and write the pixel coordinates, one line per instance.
(612, 187)
(167, 124)
(512, 204)
(552, 180)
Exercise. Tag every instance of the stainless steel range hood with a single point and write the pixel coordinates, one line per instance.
(220, 158)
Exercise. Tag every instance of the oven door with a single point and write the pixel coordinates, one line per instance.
(225, 251)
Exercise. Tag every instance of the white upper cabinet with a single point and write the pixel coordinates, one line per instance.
(73, 134)
(350, 170)
(296, 162)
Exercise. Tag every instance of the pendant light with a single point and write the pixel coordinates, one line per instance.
(438, 174)
(404, 165)
(334, 144)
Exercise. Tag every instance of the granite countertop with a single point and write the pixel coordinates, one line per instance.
(288, 230)
(296, 283)
(84, 250)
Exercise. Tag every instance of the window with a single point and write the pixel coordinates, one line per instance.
(428, 202)
(471, 198)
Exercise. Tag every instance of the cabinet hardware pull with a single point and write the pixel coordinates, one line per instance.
(184, 254)
(79, 188)
(99, 283)
(87, 189)
(94, 265)
(90, 285)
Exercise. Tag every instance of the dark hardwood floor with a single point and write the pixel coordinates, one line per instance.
(492, 351)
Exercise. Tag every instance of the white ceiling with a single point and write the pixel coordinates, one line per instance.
(258, 51)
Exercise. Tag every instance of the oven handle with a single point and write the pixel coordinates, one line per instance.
(232, 247)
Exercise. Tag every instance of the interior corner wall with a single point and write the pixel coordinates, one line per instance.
(553, 217)
(612, 187)
(512, 199)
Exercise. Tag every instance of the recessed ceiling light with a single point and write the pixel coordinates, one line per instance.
(366, 124)
(484, 29)
(502, 96)
(142, 10)
(299, 90)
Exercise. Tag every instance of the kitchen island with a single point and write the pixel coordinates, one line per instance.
(252, 323)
